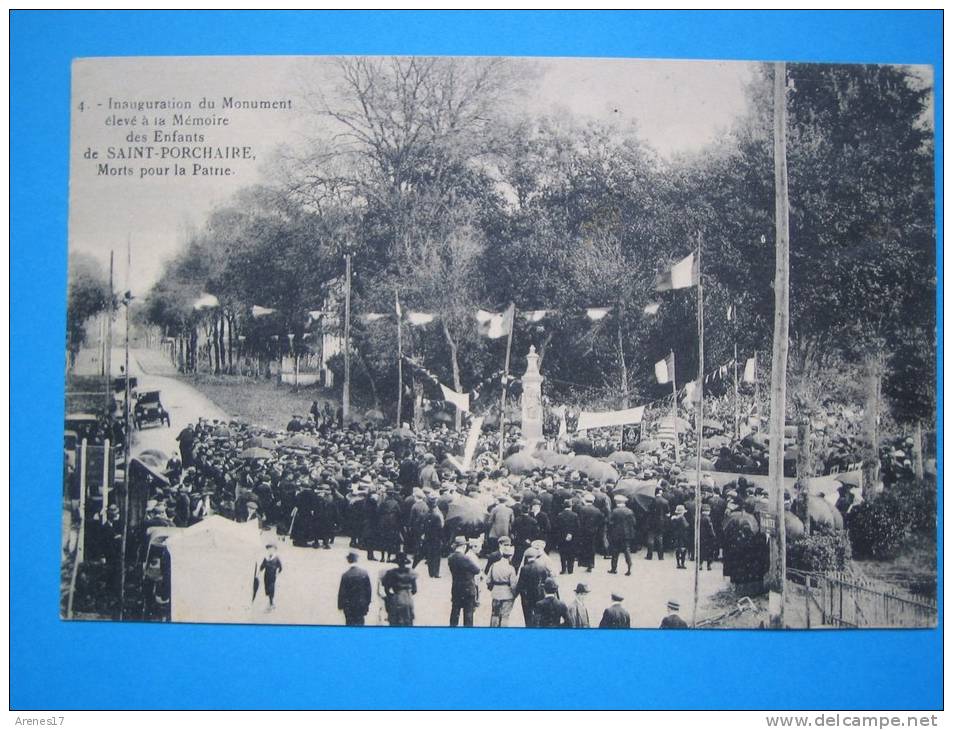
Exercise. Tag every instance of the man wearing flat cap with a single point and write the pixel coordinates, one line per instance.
(464, 590)
(615, 616)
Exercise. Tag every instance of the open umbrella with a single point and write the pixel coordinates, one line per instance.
(581, 462)
(374, 414)
(552, 458)
(153, 456)
(582, 446)
(255, 452)
(221, 432)
(521, 462)
(648, 445)
(622, 457)
(465, 516)
(601, 471)
(443, 417)
(261, 442)
(301, 441)
(639, 492)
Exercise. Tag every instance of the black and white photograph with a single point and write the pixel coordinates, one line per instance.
(500, 342)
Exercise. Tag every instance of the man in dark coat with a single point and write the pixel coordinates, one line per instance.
(673, 620)
(326, 518)
(657, 519)
(431, 538)
(354, 593)
(615, 617)
(302, 521)
(708, 543)
(550, 612)
(529, 585)
(591, 523)
(186, 439)
(567, 532)
(622, 531)
(525, 530)
(464, 590)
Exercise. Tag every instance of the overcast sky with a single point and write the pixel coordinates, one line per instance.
(678, 106)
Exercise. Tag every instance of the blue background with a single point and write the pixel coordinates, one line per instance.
(55, 664)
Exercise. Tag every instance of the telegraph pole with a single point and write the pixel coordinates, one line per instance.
(779, 358)
(125, 445)
(700, 435)
(108, 349)
(346, 392)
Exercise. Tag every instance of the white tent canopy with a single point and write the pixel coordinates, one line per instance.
(213, 570)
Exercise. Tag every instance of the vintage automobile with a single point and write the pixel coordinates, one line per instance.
(149, 410)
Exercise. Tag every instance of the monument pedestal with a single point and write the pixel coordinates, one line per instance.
(532, 401)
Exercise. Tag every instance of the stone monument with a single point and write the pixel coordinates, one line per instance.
(532, 401)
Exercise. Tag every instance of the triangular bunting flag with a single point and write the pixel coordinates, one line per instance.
(651, 308)
(420, 318)
(597, 313)
(493, 325)
(259, 312)
(681, 276)
(460, 400)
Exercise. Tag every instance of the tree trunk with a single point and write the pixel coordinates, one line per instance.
(457, 415)
(221, 342)
(231, 344)
(805, 469)
(873, 382)
(918, 451)
(418, 400)
(623, 371)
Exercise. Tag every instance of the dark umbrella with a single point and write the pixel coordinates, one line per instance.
(301, 441)
(521, 463)
(262, 442)
(642, 493)
(374, 415)
(465, 516)
(648, 445)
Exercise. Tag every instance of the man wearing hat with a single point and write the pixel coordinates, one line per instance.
(681, 534)
(464, 590)
(428, 475)
(354, 593)
(591, 523)
(622, 531)
(567, 530)
(499, 522)
(501, 580)
(673, 620)
(578, 611)
(529, 586)
(550, 612)
(657, 519)
(615, 616)
(431, 538)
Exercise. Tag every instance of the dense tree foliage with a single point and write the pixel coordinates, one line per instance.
(448, 197)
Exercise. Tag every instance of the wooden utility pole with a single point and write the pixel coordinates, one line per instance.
(108, 350)
(400, 359)
(779, 358)
(127, 436)
(506, 376)
(700, 430)
(674, 405)
(346, 392)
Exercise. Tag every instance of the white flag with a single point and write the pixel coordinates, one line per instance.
(651, 308)
(419, 318)
(494, 325)
(682, 275)
(597, 313)
(206, 301)
(535, 315)
(750, 370)
(315, 314)
(258, 312)
(692, 391)
(460, 400)
(665, 369)
(472, 438)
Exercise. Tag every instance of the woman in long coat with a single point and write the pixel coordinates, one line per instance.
(302, 521)
(400, 585)
(708, 542)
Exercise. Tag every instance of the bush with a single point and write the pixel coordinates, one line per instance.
(880, 527)
(822, 551)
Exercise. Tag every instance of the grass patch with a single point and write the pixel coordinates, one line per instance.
(260, 402)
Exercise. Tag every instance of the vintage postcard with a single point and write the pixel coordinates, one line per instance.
(501, 342)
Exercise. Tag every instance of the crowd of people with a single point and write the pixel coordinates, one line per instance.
(394, 495)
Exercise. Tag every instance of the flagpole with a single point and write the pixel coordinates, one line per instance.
(400, 359)
(506, 375)
(674, 405)
(125, 447)
(700, 429)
